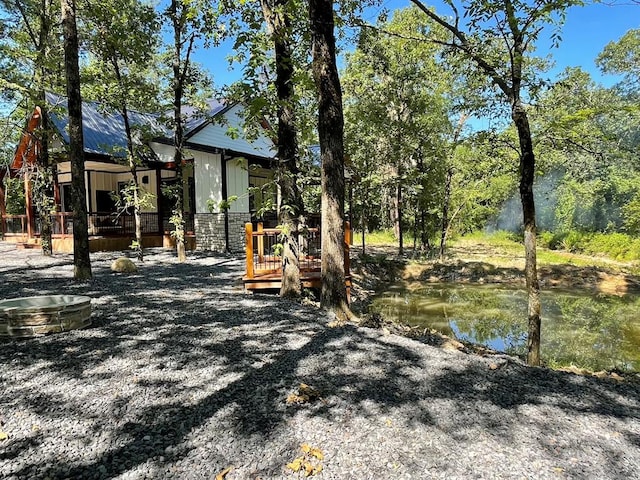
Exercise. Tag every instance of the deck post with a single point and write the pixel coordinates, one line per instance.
(29, 206)
(347, 258)
(260, 242)
(248, 230)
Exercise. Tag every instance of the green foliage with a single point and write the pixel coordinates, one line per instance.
(397, 129)
(222, 206)
(623, 58)
(615, 245)
(545, 239)
(132, 196)
(618, 246)
(15, 200)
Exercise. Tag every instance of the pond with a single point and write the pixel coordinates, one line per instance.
(592, 331)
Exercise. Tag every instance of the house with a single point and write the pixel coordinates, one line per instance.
(217, 166)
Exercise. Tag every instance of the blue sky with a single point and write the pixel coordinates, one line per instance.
(587, 30)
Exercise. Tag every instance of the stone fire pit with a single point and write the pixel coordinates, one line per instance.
(33, 316)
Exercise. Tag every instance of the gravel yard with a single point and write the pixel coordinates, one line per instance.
(182, 375)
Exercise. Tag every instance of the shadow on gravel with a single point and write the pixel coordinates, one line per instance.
(179, 362)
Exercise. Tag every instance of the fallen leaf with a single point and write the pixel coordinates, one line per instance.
(310, 391)
(295, 398)
(3, 435)
(305, 447)
(308, 469)
(223, 473)
(296, 465)
(305, 394)
(316, 452)
(493, 366)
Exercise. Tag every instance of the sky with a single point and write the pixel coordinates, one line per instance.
(585, 33)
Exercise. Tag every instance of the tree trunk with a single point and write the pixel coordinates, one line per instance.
(447, 187)
(177, 217)
(46, 203)
(81, 259)
(330, 132)
(527, 173)
(445, 211)
(290, 211)
(364, 229)
(139, 248)
(399, 214)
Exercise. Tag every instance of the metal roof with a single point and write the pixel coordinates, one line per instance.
(104, 132)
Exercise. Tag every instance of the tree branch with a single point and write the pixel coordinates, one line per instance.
(25, 19)
(467, 48)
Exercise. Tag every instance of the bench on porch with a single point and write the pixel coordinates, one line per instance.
(263, 268)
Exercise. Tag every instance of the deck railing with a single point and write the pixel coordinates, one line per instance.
(264, 248)
(99, 224)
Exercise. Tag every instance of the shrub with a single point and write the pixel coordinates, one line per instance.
(573, 241)
(545, 239)
(616, 245)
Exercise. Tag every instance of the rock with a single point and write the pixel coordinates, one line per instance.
(123, 265)
(372, 320)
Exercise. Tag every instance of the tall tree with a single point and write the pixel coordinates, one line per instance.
(123, 41)
(190, 22)
(81, 259)
(510, 29)
(331, 134)
(398, 103)
(291, 215)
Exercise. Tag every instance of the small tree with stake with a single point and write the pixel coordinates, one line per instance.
(496, 35)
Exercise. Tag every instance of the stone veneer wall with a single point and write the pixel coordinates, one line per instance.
(209, 230)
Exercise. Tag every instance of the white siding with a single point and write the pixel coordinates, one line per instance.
(215, 135)
(165, 153)
(238, 184)
(208, 179)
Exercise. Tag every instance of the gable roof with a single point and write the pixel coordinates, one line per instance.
(104, 132)
(214, 132)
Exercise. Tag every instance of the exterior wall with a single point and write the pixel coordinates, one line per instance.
(215, 134)
(166, 153)
(207, 171)
(97, 179)
(238, 184)
(210, 231)
(209, 227)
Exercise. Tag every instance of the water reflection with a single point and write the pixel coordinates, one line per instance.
(590, 331)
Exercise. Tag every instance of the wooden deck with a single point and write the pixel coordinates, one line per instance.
(263, 270)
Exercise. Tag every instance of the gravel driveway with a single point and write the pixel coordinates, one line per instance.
(182, 375)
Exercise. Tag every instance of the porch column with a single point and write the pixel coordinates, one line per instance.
(29, 206)
(223, 174)
(3, 206)
(159, 201)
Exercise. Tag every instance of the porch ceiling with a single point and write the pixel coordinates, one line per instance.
(90, 165)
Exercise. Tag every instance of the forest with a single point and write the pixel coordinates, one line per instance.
(451, 122)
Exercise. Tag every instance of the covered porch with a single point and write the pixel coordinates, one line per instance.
(107, 231)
